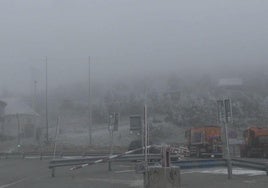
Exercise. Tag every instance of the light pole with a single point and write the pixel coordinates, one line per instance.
(46, 104)
(89, 104)
(113, 124)
(34, 95)
(56, 137)
(111, 132)
(18, 136)
(225, 117)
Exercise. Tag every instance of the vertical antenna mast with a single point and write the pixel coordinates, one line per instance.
(46, 105)
(89, 104)
(35, 96)
(145, 138)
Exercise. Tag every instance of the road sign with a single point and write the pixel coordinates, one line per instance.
(116, 121)
(224, 110)
(135, 123)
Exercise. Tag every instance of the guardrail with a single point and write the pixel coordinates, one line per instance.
(251, 164)
(80, 161)
(175, 161)
(81, 164)
(183, 164)
(47, 154)
(202, 163)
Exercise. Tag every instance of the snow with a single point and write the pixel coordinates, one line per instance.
(236, 171)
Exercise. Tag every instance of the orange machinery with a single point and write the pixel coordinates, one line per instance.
(255, 142)
(204, 141)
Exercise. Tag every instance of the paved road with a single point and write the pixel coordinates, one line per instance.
(32, 173)
(205, 180)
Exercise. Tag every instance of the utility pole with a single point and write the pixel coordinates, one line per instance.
(35, 95)
(33, 84)
(18, 121)
(225, 117)
(145, 136)
(56, 136)
(46, 105)
(146, 141)
(113, 124)
(89, 104)
(111, 132)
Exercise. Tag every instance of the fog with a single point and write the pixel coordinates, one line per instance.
(171, 65)
(128, 39)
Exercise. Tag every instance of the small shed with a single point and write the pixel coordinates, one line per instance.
(2, 114)
(19, 118)
(2, 109)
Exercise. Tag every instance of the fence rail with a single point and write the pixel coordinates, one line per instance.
(256, 165)
(48, 154)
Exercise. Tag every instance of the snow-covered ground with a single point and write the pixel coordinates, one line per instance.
(236, 171)
(74, 134)
(160, 133)
(100, 137)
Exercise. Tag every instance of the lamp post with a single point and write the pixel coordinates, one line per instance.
(18, 139)
(89, 104)
(47, 140)
(225, 117)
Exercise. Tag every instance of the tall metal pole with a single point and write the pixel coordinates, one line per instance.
(18, 121)
(34, 95)
(225, 116)
(228, 157)
(228, 111)
(56, 137)
(89, 104)
(111, 131)
(145, 136)
(46, 105)
(145, 146)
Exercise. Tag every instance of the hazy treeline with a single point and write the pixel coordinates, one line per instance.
(185, 101)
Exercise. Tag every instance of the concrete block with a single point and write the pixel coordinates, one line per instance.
(159, 177)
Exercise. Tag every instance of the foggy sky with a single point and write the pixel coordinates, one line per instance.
(128, 37)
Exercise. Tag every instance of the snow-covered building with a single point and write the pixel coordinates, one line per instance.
(19, 118)
(2, 110)
(2, 113)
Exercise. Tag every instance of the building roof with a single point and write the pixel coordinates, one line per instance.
(16, 106)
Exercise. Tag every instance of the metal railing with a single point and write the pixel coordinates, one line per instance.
(48, 154)
(256, 165)
(175, 160)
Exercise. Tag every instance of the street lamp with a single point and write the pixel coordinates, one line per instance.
(225, 117)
